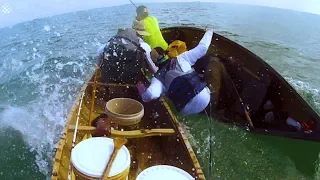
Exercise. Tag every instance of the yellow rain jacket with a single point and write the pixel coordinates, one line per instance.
(155, 38)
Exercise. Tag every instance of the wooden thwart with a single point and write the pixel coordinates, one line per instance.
(129, 134)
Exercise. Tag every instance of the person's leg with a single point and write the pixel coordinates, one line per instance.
(213, 77)
(219, 82)
(212, 69)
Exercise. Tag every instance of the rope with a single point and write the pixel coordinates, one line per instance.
(77, 121)
(210, 139)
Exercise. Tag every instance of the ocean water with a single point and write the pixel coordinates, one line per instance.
(44, 63)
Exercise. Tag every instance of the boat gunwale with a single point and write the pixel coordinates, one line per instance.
(63, 138)
(186, 143)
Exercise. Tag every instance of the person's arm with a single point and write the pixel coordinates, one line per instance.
(100, 54)
(154, 91)
(200, 50)
(156, 22)
(153, 68)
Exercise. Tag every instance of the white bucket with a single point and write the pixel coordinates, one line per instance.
(161, 172)
(90, 157)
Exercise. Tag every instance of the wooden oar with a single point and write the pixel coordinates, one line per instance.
(128, 134)
(241, 66)
(118, 143)
(241, 102)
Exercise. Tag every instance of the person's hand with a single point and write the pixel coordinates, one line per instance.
(103, 128)
(141, 87)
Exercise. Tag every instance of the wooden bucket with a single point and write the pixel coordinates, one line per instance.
(125, 112)
(90, 157)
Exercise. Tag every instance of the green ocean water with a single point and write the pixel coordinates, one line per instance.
(44, 62)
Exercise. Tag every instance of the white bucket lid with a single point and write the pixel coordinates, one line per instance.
(91, 156)
(160, 172)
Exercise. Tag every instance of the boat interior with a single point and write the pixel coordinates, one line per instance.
(157, 140)
(258, 84)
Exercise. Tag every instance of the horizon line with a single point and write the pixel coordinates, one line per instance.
(196, 1)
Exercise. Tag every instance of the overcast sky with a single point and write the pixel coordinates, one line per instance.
(15, 11)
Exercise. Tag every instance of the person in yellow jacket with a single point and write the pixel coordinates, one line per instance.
(151, 24)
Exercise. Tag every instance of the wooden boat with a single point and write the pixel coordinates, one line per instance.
(159, 139)
(165, 137)
(256, 82)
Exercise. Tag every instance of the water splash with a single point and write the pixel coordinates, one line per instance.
(310, 94)
(38, 133)
(41, 120)
(46, 28)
